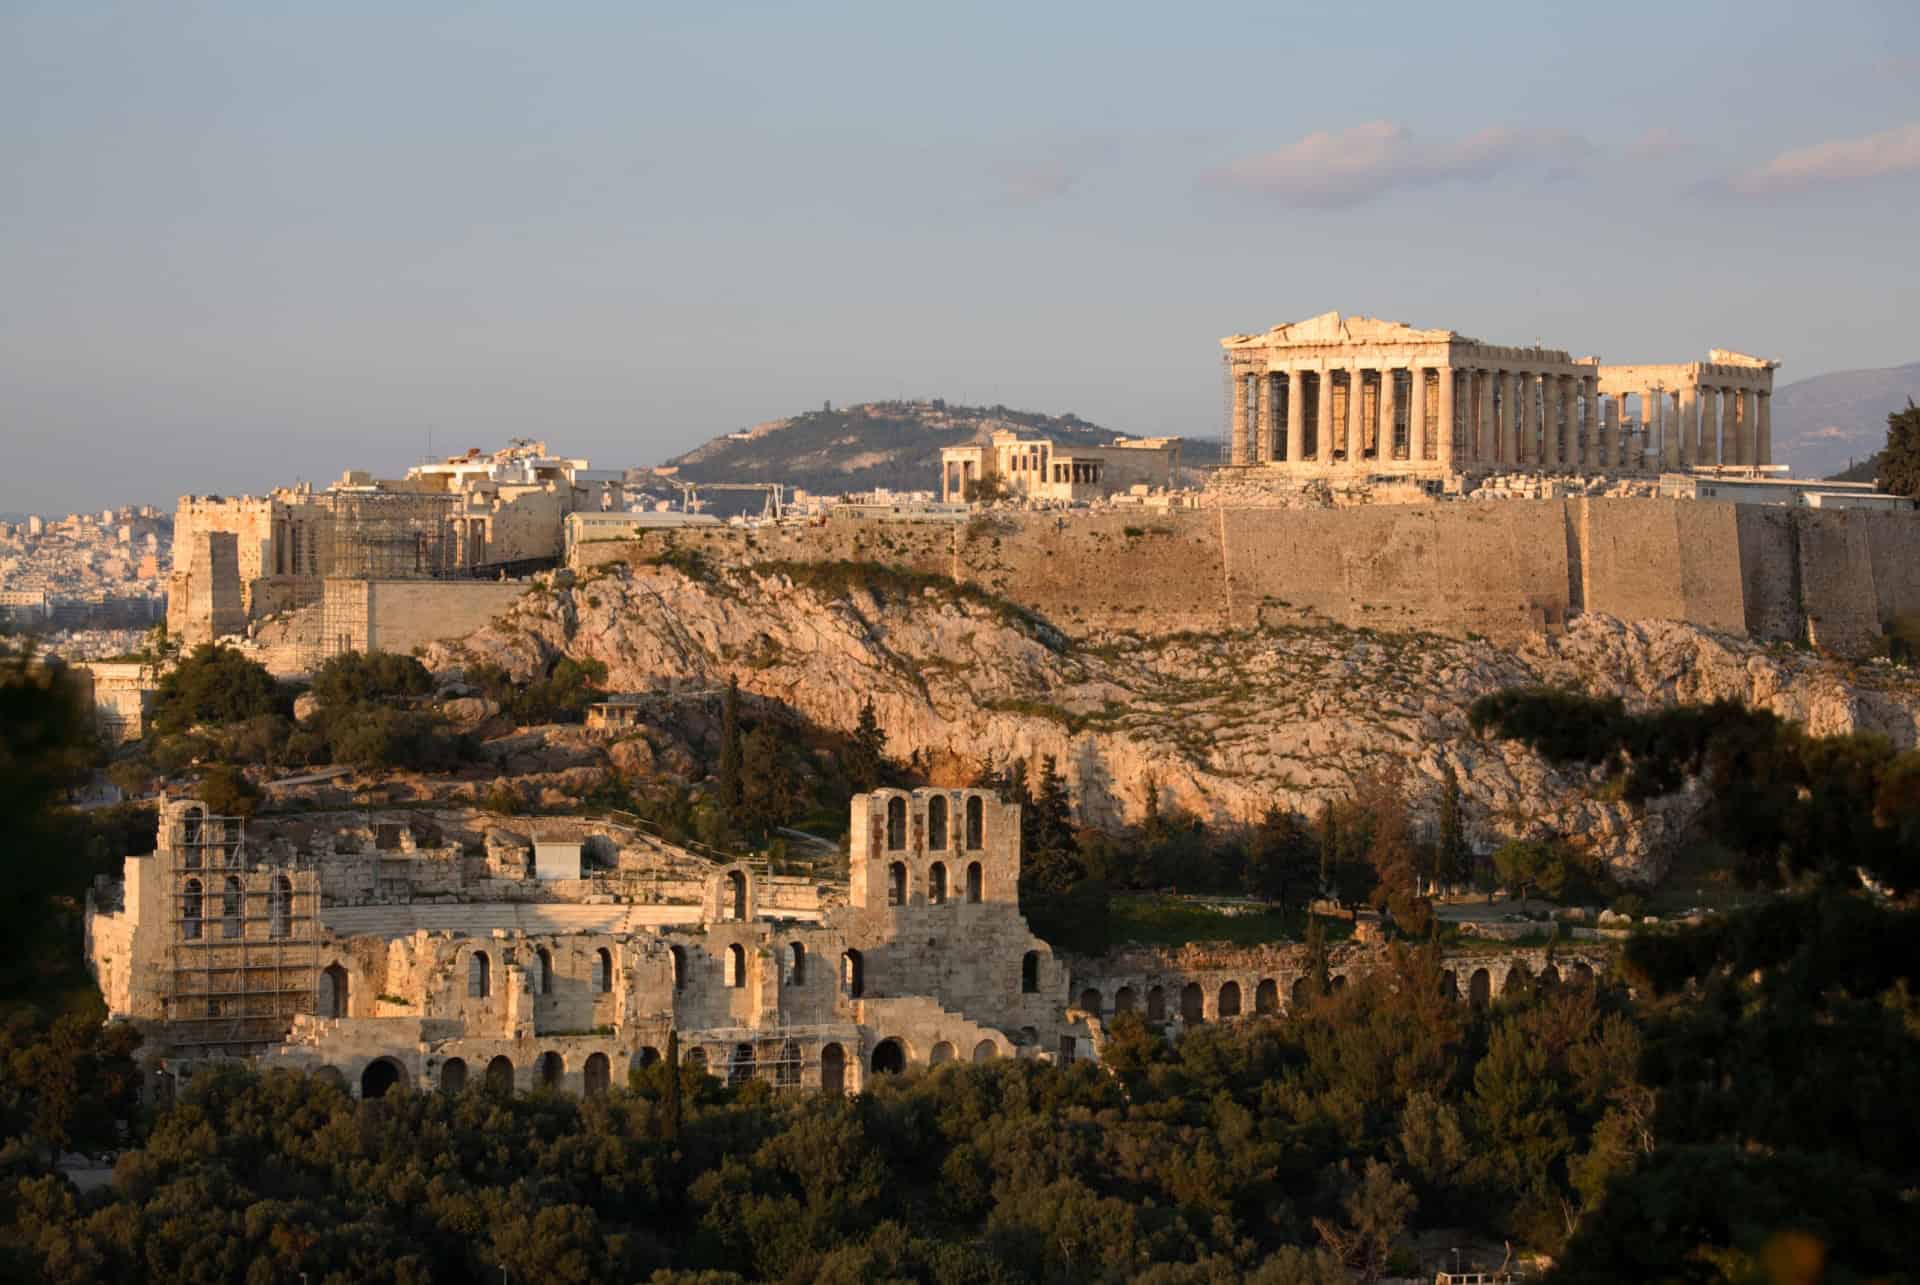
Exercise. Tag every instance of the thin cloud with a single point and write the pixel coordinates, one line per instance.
(1353, 166)
(1659, 141)
(1852, 160)
(1036, 182)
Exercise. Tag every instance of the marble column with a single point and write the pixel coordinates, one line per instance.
(1388, 404)
(1296, 424)
(1356, 399)
(1729, 426)
(1706, 444)
(1488, 432)
(1749, 427)
(1445, 446)
(1678, 443)
(1504, 419)
(1763, 428)
(1262, 409)
(1591, 458)
(1323, 417)
(1610, 452)
(1416, 413)
(1569, 424)
(1526, 419)
(1239, 455)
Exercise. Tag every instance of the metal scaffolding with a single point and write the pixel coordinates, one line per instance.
(243, 940)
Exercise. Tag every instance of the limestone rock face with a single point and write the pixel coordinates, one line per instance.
(1226, 724)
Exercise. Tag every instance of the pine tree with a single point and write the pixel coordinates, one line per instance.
(867, 756)
(1453, 858)
(1900, 462)
(1153, 826)
(1053, 810)
(730, 754)
(990, 776)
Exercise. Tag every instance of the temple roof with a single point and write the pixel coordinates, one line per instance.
(1332, 328)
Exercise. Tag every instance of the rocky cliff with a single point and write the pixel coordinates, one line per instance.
(1226, 723)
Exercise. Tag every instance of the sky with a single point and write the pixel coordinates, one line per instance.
(246, 244)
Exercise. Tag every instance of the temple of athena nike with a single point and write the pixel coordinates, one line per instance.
(1337, 394)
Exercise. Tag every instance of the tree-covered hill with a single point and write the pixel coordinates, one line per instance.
(875, 444)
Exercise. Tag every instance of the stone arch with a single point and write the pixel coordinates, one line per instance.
(500, 1074)
(853, 972)
(331, 1074)
(1193, 1004)
(786, 1072)
(334, 991)
(736, 966)
(796, 964)
(976, 823)
(678, 956)
(596, 1075)
(191, 902)
(696, 1059)
(1300, 992)
(1479, 988)
(937, 884)
(1229, 999)
(896, 823)
(1090, 1000)
(1449, 985)
(985, 1051)
(602, 971)
(736, 894)
(646, 1057)
(1029, 1035)
(382, 1075)
(1518, 980)
(550, 1068)
(1338, 982)
(897, 883)
(1266, 996)
(742, 1064)
(453, 1075)
(1030, 973)
(937, 823)
(1549, 977)
(479, 975)
(542, 971)
(889, 1057)
(1156, 1003)
(1123, 1000)
(940, 1052)
(976, 883)
(1581, 974)
(280, 908)
(833, 1069)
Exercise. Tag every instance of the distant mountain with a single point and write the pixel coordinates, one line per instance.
(876, 444)
(1822, 425)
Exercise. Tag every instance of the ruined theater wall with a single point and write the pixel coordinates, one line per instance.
(399, 615)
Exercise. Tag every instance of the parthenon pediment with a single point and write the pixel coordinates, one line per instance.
(1332, 328)
(1728, 357)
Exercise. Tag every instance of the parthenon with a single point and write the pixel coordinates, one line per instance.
(1343, 394)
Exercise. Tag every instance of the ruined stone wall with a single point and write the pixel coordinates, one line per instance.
(204, 596)
(1498, 569)
(400, 615)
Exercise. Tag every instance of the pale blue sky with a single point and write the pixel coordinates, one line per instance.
(242, 244)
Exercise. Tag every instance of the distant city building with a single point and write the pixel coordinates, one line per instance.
(24, 608)
(1039, 469)
(1770, 490)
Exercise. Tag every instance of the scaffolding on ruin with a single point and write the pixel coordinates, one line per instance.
(787, 1058)
(243, 939)
(365, 536)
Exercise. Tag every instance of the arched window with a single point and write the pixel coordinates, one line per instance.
(1123, 1000)
(596, 1074)
(896, 823)
(897, 883)
(937, 884)
(1090, 1001)
(230, 908)
(940, 1053)
(551, 1067)
(500, 1074)
(479, 975)
(985, 1051)
(602, 971)
(696, 1058)
(190, 910)
(542, 972)
(797, 964)
(453, 1076)
(786, 1072)
(852, 974)
(937, 823)
(1192, 1004)
(736, 966)
(280, 908)
(976, 884)
(736, 894)
(190, 835)
(833, 1069)
(1030, 973)
(976, 813)
(889, 1057)
(740, 1067)
(1230, 999)
(679, 958)
(1266, 996)
(1156, 1004)
(333, 991)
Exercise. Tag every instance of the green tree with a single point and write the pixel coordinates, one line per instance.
(769, 793)
(1453, 857)
(729, 792)
(1282, 857)
(215, 685)
(353, 678)
(1900, 462)
(228, 793)
(1531, 865)
(867, 755)
(1052, 810)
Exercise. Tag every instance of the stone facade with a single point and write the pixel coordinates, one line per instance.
(924, 959)
(1040, 470)
(1333, 395)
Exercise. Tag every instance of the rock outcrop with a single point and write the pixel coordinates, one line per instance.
(1225, 724)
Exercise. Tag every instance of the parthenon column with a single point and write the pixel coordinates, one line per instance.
(1388, 401)
(1296, 409)
(1749, 435)
(1262, 411)
(1707, 450)
(1506, 447)
(1610, 452)
(1526, 426)
(1323, 416)
(1763, 430)
(1446, 443)
(1729, 425)
(1240, 453)
(1488, 432)
(1590, 457)
(1416, 413)
(1356, 399)
(1677, 444)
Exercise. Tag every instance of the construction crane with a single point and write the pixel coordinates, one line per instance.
(690, 502)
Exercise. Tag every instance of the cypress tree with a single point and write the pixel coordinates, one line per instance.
(730, 754)
(673, 1085)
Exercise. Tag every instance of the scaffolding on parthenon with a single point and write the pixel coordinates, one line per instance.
(243, 939)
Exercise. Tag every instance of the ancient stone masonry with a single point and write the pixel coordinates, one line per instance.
(1333, 395)
(395, 959)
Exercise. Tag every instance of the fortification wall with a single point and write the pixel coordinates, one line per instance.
(399, 615)
(1836, 578)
